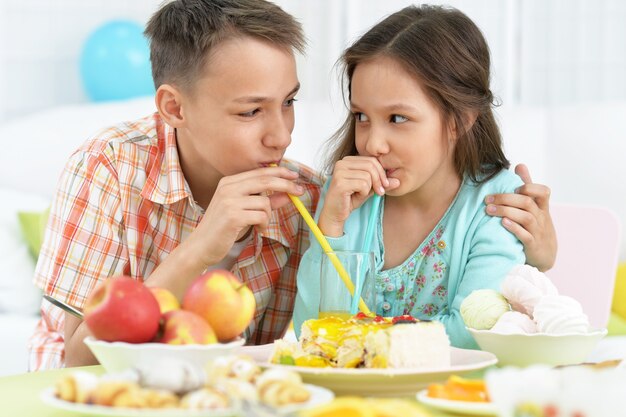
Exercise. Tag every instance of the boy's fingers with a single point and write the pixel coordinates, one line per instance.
(524, 174)
(519, 201)
(525, 218)
(278, 200)
(277, 172)
(538, 192)
(519, 231)
(265, 183)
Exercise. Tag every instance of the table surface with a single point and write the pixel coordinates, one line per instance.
(20, 394)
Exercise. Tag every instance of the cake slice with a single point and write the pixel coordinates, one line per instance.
(367, 342)
(416, 345)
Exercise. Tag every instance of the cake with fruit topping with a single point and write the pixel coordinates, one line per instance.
(367, 342)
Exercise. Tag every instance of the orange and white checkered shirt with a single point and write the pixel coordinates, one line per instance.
(122, 205)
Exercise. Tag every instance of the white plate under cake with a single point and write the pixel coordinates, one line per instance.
(375, 356)
(391, 382)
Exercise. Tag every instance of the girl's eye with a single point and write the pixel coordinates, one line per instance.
(290, 102)
(250, 113)
(396, 118)
(360, 117)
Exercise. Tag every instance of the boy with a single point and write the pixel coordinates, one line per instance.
(186, 189)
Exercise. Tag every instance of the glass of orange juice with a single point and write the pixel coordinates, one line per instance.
(335, 299)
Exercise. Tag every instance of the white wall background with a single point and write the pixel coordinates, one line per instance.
(559, 68)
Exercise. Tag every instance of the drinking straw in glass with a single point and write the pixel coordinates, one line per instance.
(366, 247)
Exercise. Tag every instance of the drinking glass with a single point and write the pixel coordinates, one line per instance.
(335, 299)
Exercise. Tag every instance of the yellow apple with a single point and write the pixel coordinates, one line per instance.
(167, 301)
(182, 327)
(223, 301)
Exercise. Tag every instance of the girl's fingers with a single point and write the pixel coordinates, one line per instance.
(350, 182)
(370, 165)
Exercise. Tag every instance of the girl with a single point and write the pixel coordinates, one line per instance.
(422, 134)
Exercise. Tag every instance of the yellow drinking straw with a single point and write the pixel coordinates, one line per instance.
(328, 250)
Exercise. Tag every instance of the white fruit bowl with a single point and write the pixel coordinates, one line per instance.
(538, 348)
(119, 356)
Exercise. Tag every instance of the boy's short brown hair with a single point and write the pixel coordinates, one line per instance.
(182, 34)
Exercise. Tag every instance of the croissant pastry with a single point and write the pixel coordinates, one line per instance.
(205, 399)
(76, 387)
(118, 394)
(277, 387)
(158, 398)
(234, 366)
(238, 389)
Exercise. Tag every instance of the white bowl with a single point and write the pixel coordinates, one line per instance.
(538, 348)
(119, 356)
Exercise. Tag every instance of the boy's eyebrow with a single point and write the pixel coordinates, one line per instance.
(261, 99)
(294, 91)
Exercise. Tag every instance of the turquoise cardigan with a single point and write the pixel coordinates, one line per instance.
(466, 251)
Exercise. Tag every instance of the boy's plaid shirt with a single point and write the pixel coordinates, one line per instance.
(122, 205)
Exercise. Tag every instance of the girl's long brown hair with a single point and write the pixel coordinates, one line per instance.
(448, 54)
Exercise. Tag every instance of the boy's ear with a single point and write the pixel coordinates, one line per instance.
(168, 100)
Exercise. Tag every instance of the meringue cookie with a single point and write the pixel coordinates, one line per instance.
(173, 375)
(524, 286)
(482, 308)
(514, 322)
(560, 314)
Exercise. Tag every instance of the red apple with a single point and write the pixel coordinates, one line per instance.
(122, 309)
(167, 301)
(182, 327)
(223, 301)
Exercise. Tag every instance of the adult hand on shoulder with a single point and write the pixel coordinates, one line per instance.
(526, 214)
(239, 202)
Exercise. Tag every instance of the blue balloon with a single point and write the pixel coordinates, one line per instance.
(115, 62)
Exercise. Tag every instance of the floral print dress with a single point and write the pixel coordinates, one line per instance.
(418, 286)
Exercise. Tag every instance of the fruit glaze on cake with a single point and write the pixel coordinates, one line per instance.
(367, 342)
